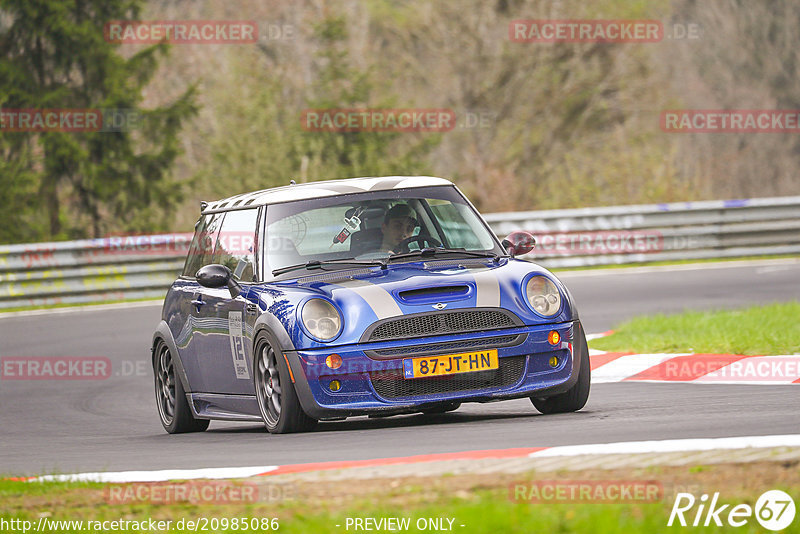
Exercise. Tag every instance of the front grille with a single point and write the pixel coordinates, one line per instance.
(444, 348)
(392, 384)
(447, 322)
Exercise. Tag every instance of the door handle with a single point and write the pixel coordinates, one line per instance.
(198, 302)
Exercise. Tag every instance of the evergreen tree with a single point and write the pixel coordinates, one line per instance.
(53, 55)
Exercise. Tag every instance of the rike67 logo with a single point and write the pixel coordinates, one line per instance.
(774, 510)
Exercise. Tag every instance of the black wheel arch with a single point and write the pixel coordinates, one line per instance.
(164, 335)
(269, 325)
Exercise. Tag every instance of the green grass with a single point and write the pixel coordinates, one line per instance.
(488, 510)
(13, 488)
(769, 329)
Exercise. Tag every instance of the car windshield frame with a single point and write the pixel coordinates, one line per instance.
(282, 210)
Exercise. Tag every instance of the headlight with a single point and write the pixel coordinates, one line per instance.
(321, 319)
(543, 296)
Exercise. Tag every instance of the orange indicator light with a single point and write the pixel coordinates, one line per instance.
(553, 337)
(334, 361)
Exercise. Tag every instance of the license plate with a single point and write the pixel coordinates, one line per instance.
(450, 364)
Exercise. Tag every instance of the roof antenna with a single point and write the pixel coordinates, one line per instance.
(292, 182)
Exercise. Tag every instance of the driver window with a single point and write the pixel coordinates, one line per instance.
(236, 243)
(201, 252)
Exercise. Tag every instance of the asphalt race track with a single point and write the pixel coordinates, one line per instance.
(112, 425)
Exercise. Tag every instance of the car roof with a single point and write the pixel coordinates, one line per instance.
(321, 189)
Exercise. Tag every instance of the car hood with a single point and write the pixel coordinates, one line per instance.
(367, 295)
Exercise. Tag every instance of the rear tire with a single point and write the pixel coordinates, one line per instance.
(173, 408)
(277, 398)
(574, 398)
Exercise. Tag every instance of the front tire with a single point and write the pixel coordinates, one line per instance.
(277, 398)
(173, 408)
(574, 398)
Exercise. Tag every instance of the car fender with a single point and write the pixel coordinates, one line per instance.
(269, 325)
(579, 358)
(570, 300)
(163, 333)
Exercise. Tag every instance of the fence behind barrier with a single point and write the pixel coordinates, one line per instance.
(144, 266)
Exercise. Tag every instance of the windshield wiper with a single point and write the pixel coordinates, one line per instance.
(430, 252)
(320, 264)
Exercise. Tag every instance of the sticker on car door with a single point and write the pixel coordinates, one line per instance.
(236, 334)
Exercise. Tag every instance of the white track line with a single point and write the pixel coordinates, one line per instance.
(681, 267)
(161, 476)
(625, 447)
(672, 445)
(83, 308)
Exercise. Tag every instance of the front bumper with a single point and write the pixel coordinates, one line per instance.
(371, 376)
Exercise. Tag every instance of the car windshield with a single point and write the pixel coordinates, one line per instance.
(372, 226)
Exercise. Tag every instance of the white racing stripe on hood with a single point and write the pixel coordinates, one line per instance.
(488, 289)
(380, 300)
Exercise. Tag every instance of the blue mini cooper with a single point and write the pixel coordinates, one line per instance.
(366, 296)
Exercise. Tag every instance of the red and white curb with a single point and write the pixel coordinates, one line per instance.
(625, 447)
(609, 367)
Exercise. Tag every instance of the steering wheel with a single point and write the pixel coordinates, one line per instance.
(402, 246)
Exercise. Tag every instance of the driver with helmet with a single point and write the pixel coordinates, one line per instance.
(398, 224)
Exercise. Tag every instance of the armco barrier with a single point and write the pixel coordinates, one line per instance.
(144, 266)
(678, 231)
(91, 270)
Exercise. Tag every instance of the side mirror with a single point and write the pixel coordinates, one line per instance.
(519, 243)
(216, 275)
